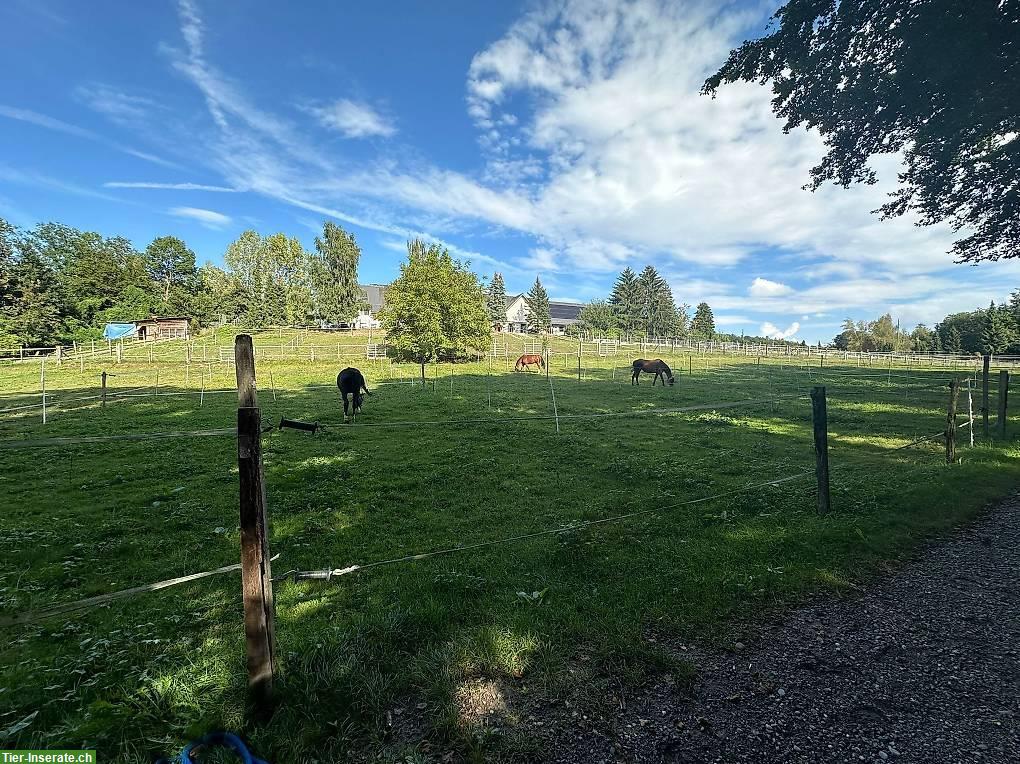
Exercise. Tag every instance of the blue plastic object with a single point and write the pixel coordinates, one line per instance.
(215, 740)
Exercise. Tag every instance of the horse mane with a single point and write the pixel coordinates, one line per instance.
(665, 365)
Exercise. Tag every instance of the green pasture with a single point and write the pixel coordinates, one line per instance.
(375, 663)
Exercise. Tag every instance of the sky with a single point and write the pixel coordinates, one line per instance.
(563, 139)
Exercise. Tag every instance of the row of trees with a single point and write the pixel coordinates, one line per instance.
(994, 330)
(59, 284)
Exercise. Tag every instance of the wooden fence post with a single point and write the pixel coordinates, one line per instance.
(984, 394)
(819, 418)
(103, 395)
(1003, 396)
(256, 576)
(954, 390)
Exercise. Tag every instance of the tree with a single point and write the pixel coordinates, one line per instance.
(597, 317)
(496, 300)
(274, 278)
(922, 339)
(703, 325)
(436, 305)
(935, 80)
(995, 336)
(626, 300)
(658, 314)
(537, 301)
(36, 305)
(170, 264)
(334, 275)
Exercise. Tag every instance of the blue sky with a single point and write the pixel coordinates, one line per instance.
(565, 139)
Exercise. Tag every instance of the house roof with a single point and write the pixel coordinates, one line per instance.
(564, 311)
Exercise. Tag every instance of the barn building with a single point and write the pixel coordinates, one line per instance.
(152, 328)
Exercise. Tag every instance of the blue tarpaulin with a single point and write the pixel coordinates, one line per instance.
(119, 331)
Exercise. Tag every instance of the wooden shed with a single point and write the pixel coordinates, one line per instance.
(162, 328)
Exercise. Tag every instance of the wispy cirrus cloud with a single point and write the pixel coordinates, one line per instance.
(208, 218)
(120, 107)
(600, 151)
(352, 119)
(51, 123)
(171, 186)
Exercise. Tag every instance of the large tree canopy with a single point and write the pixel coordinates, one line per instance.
(938, 80)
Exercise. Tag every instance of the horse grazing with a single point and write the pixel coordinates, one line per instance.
(351, 382)
(529, 359)
(657, 367)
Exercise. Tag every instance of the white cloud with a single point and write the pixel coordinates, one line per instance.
(599, 149)
(170, 186)
(769, 329)
(353, 119)
(50, 123)
(122, 108)
(208, 218)
(764, 288)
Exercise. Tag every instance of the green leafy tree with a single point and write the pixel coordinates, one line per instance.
(334, 275)
(274, 276)
(703, 325)
(35, 316)
(537, 301)
(496, 300)
(657, 310)
(922, 339)
(626, 300)
(598, 317)
(93, 271)
(935, 80)
(436, 306)
(171, 265)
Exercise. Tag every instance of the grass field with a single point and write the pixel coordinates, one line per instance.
(583, 614)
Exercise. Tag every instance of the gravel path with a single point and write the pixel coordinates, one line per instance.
(924, 666)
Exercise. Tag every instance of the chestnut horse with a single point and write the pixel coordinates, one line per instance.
(529, 359)
(657, 367)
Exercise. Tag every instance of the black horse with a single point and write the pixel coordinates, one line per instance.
(657, 367)
(351, 382)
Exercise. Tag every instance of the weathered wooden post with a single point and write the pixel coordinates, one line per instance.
(103, 394)
(821, 431)
(987, 362)
(256, 576)
(1003, 396)
(579, 360)
(954, 390)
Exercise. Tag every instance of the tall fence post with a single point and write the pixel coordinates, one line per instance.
(256, 576)
(954, 391)
(984, 394)
(103, 394)
(1003, 396)
(42, 384)
(970, 413)
(821, 429)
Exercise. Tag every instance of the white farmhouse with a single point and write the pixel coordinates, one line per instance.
(562, 314)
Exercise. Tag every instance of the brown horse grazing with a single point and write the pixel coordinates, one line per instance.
(657, 367)
(529, 359)
(351, 382)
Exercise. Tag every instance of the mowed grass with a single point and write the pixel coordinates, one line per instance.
(584, 614)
